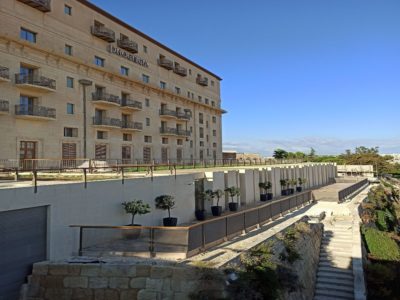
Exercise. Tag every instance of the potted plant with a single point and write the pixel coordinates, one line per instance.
(200, 213)
(217, 210)
(268, 186)
(292, 184)
(166, 202)
(284, 191)
(233, 191)
(301, 182)
(134, 207)
(263, 190)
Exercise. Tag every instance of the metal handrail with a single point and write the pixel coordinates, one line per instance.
(128, 45)
(37, 80)
(131, 103)
(352, 190)
(107, 121)
(4, 105)
(35, 110)
(96, 96)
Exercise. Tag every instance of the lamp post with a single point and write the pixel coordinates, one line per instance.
(85, 83)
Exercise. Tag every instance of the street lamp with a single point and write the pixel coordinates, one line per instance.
(85, 83)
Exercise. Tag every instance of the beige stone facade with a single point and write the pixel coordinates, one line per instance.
(145, 101)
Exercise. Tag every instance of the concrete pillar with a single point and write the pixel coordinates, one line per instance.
(247, 186)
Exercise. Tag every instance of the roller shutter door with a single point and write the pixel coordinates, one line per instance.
(23, 235)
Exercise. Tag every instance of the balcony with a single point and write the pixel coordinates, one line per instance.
(128, 45)
(106, 99)
(202, 81)
(180, 71)
(130, 104)
(107, 122)
(103, 33)
(166, 63)
(4, 74)
(131, 126)
(35, 82)
(35, 112)
(4, 107)
(42, 5)
(183, 116)
(168, 113)
(174, 131)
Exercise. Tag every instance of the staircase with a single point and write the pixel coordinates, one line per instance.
(335, 273)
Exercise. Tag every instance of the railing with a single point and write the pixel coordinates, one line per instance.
(4, 106)
(352, 190)
(131, 103)
(128, 45)
(202, 81)
(103, 33)
(180, 70)
(4, 73)
(35, 110)
(106, 97)
(132, 125)
(42, 5)
(35, 80)
(166, 63)
(167, 112)
(107, 122)
(182, 132)
(182, 115)
(183, 241)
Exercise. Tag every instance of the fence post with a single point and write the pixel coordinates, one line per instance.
(35, 181)
(123, 175)
(84, 177)
(80, 241)
(203, 236)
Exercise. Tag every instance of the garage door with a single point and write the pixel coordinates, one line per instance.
(22, 242)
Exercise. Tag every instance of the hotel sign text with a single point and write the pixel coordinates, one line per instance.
(128, 56)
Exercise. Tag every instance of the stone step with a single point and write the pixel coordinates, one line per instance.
(338, 235)
(339, 260)
(332, 280)
(337, 242)
(323, 275)
(329, 252)
(339, 248)
(338, 264)
(335, 270)
(339, 295)
(335, 287)
(326, 298)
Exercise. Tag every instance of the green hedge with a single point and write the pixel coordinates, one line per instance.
(380, 245)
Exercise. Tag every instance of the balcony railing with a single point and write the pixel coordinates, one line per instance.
(174, 131)
(4, 106)
(202, 81)
(35, 80)
(35, 110)
(180, 70)
(167, 112)
(132, 125)
(107, 122)
(129, 103)
(128, 45)
(113, 99)
(103, 33)
(4, 73)
(42, 5)
(182, 115)
(166, 63)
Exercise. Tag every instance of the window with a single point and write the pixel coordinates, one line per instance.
(101, 135)
(144, 49)
(214, 119)
(147, 102)
(70, 132)
(145, 78)
(177, 90)
(164, 140)
(201, 121)
(212, 103)
(212, 82)
(201, 132)
(206, 101)
(192, 96)
(98, 61)
(199, 98)
(28, 35)
(127, 137)
(126, 153)
(215, 145)
(201, 144)
(208, 152)
(100, 152)
(147, 121)
(191, 144)
(147, 139)
(191, 128)
(190, 71)
(206, 124)
(146, 154)
(179, 142)
(70, 108)
(214, 132)
(188, 94)
(70, 82)
(124, 71)
(163, 85)
(67, 10)
(68, 49)
(207, 139)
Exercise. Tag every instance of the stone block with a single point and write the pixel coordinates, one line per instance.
(190, 286)
(118, 270)
(111, 294)
(58, 294)
(138, 283)
(98, 294)
(82, 294)
(64, 269)
(90, 270)
(98, 282)
(76, 282)
(118, 282)
(143, 271)
(185, 273)
(181, 296)
(160, 272)
(40, 268)
(148, 295)
(154, 284)
(130, 294)
(52, 281)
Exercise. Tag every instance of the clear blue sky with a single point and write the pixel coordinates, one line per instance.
(296, 74)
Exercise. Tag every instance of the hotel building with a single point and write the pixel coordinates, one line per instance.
(76, 82)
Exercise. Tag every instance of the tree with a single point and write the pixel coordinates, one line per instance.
(136, 207)
(311, 155)
(280, 154)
